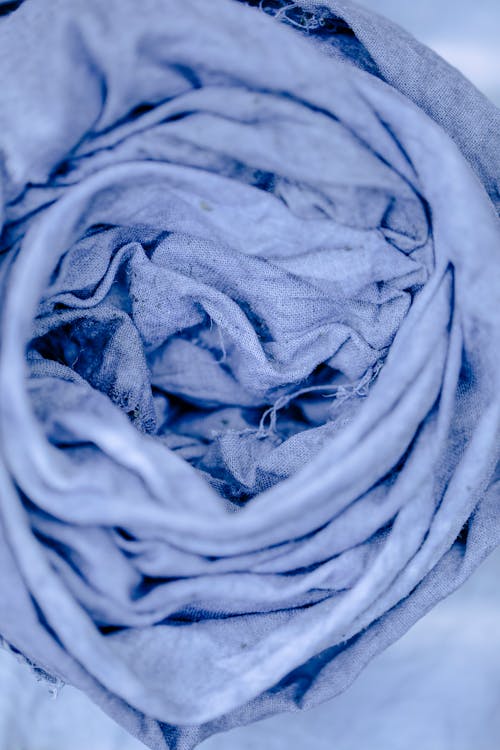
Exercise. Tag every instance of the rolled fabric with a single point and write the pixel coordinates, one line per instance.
(249, 391)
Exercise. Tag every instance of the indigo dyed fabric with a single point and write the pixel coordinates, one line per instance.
(249, 392)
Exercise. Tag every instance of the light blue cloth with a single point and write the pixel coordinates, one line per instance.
(413, 695)
(250, 270)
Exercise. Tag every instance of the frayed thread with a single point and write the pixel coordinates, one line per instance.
(294, 14)
(53, 684)
(340, 393)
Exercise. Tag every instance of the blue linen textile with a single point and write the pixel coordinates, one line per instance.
(249, 341)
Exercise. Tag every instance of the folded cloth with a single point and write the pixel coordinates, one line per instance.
(249, 392)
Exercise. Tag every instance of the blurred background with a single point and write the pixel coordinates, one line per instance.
(466, 34)
(438, 688)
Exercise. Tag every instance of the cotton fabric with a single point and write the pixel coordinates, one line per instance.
(248, 365)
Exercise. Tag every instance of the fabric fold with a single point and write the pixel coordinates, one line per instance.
(249, 410)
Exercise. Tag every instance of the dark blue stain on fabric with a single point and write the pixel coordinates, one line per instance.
(249, 350)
